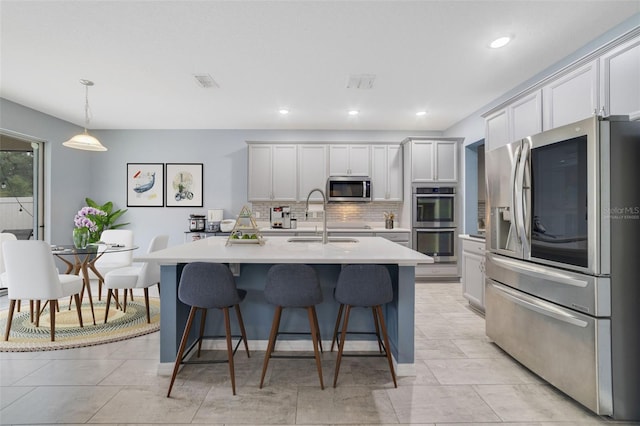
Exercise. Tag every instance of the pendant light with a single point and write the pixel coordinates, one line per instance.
(85, 141)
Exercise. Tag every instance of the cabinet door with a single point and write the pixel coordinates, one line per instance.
(446, 161)
(312, 170)
(394, 168)
(284, 173)
(571, 97)
(379, 173)
(422, 159)
(338, 160)
(359, 161)
(620, 79)
(497, 130)
(259, 179)
(525, 116)
(473, 278)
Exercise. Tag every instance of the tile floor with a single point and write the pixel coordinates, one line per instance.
(461, 378)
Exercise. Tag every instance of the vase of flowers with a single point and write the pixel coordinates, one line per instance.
(96, 218)
(81, 237)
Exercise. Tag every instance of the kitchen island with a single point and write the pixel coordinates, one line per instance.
(250, 263)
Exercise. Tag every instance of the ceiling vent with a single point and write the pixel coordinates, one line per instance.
(205, 81)
(361, 81)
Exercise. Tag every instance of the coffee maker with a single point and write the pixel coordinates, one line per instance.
(280, 217)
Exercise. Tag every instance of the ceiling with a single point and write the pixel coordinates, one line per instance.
(266, 55)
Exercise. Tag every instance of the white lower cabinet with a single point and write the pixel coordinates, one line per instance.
(401, 238)
(473, 272)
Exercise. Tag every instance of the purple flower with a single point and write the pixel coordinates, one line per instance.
(89, 217)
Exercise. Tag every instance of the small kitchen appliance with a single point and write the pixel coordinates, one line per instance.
(196, 222)
(280, 217)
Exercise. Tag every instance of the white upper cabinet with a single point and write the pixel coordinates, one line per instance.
(386, 172)
(434, 161)
(350, 160)
(620, 80)
(272, 172)
(571, 97)
(313, 170)
(520, 119)
(497, 129)
(525, 116)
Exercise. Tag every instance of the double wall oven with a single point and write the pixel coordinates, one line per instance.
(434, 227)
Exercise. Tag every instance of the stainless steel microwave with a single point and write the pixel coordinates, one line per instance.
(349, 188)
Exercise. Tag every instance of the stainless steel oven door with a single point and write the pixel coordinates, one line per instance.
(434, 210)
(439, 243)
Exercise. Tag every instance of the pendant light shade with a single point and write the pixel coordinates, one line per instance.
(84, 140)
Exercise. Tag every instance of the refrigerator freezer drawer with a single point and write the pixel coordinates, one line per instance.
(584, 293)
(567, 349)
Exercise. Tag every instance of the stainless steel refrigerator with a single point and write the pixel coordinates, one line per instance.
(563, 264)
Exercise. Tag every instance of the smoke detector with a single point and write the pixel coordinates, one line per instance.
(361, 81)
(205, 81)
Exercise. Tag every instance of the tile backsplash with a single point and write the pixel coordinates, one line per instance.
(337, 212)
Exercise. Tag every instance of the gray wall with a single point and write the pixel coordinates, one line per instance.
(72, 175)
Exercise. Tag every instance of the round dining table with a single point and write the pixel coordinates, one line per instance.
(82, 259)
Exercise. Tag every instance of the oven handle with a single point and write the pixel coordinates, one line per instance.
(434, 229)
(539, 306)
(434, 195)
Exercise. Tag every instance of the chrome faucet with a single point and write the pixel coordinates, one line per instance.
(325, 239)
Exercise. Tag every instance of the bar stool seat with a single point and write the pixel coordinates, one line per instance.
(205, 286)
(363, 286)
(293, 286)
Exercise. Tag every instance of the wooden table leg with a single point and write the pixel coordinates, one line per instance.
(87, 285)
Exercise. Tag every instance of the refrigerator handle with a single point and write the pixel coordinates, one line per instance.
(523, 214)
(514, 194)
(539, 306)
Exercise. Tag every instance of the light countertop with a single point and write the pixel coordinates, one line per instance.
(278, 250)
(474, 237)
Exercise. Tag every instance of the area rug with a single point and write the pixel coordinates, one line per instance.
(26, 337)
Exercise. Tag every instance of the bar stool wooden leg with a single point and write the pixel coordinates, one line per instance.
(341, 344)
(227, 327)
(183, 344)
(275, 325)
(386, 344)
(335, 329)
(375, 321)
(315, 320)
(242, 330)
(313, 323)
(203, 319)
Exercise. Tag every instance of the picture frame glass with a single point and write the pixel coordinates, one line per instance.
(184, 185)
(145, 184)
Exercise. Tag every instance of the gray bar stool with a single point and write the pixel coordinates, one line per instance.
(206, 286)
(293, 286)
(363, 286)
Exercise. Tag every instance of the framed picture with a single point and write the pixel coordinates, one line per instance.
(145, 184)
(184, 185)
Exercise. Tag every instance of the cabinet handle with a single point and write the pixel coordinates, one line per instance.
(603, 112)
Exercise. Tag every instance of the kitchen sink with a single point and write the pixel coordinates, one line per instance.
(319, 240)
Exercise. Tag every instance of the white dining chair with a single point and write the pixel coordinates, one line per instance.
(141, 275)
(4, 236)
(32, 275)
(110, 261)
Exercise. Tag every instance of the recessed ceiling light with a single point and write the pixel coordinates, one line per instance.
(421, 113)
(500, 42)
(283, 111)
(354, 112)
